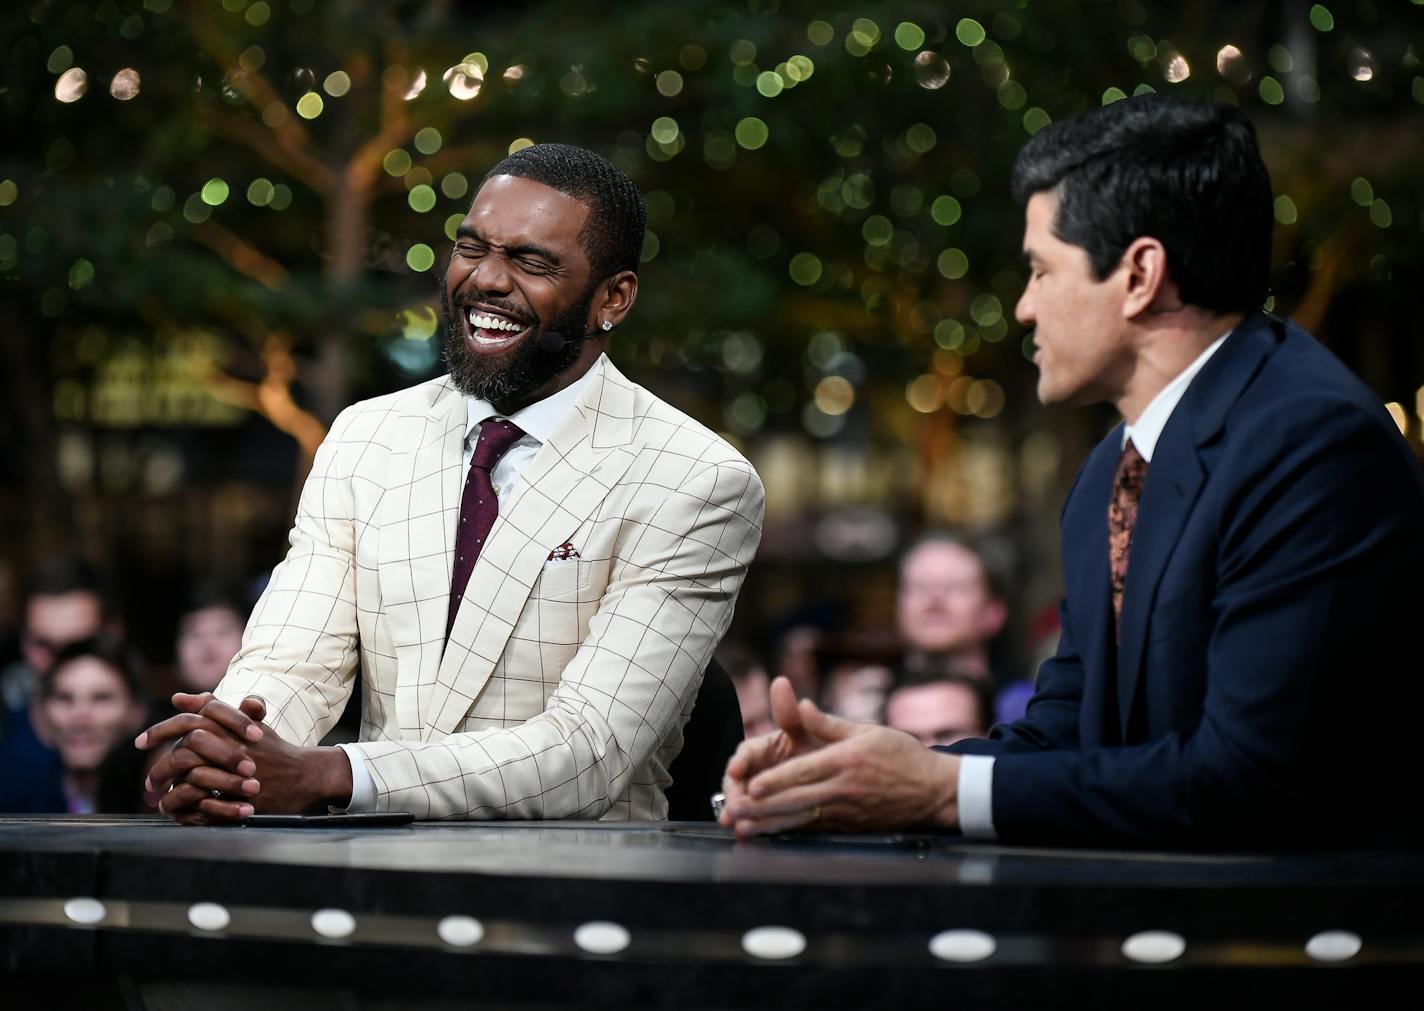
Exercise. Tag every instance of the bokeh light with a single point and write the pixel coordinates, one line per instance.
(125, 84)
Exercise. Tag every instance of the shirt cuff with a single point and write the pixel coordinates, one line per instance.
(976, 796)
(363, 787)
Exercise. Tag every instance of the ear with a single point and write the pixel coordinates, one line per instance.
(613, 299)
(1148, 284)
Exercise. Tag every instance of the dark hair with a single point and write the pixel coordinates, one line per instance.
(214, 593)
(1188, 174)
(113, 652)
(612, 237)
(994, 582)
(65, 574)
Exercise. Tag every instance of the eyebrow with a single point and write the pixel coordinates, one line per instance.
(523, 249)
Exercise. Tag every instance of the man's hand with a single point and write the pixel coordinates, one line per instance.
(209, 740)
(828, 773)
(228, 752)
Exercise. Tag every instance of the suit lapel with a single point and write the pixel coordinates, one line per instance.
(1174, 482)
(417, 520)
(572, 473)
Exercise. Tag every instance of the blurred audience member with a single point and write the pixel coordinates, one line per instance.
(91, 700)
(1011, 700)
(794, 657)
(65, 603)
(857, 692)
(948, 609)
(209, 636)
(749, 678)
(942, 711)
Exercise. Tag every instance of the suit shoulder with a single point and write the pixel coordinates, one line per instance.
(1304, 384)
(365, 417)
(661, 427)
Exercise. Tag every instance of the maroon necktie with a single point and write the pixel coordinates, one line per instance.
(479, 506)
(1122, 517)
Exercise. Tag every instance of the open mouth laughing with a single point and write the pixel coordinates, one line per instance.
(491, 329)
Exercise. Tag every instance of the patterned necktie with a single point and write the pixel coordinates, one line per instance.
(1122, 517)
(479, 506)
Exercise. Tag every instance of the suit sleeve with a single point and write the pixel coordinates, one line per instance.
(668, 602)
(300, 649)
(1317, 533)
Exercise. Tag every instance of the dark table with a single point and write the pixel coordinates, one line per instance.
(564, 914)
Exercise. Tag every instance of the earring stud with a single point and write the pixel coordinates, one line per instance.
(607, 326)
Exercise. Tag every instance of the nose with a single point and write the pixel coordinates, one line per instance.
(490, 275)
(1023, 311)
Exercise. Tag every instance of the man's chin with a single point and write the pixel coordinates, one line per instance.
(505, 376)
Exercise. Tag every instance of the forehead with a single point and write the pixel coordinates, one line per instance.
(87, 675)
(76, 611)
(208, 617)
(930, 703)
(941, 558)
(1038, 220)
(512, 210)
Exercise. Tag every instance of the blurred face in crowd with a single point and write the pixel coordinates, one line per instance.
(796, 660)
(858, 693)
(207, 641)
(754, 700)
(54, 621)
(89, 709)
(1084, 355)
(518, 270)
(944, 602)
(940, 712)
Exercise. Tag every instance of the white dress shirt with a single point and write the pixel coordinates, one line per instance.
(976, 772)
(538, 422)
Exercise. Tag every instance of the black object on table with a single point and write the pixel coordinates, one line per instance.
(577, 914)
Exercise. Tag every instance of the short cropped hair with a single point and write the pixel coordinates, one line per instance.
(62, 575)
(1188, 174)
(612, 237)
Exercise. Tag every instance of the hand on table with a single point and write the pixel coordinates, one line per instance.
(824, 772)
(225, 765)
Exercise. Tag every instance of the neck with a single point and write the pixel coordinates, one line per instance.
(592, 348)
(1166, 344)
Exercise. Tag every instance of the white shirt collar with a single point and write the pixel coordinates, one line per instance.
(540, 418)
(1147, 429)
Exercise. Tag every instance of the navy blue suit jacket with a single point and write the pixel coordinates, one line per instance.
(1268, 677)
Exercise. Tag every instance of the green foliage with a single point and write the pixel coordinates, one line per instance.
(875, 139)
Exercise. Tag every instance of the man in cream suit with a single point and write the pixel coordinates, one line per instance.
(531, 559)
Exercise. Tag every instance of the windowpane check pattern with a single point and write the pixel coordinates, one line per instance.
(566, 680)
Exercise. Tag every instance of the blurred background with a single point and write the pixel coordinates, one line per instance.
(221, 222)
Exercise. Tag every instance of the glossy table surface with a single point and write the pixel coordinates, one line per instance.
(564, 914)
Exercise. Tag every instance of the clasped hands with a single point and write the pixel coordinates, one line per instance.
(825, 773)
(224, 764)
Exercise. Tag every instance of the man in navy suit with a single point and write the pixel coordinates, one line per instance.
(1243, 556)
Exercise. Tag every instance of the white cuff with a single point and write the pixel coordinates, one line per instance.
(976, 796)
(363, 787)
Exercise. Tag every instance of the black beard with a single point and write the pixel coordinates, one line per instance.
(507, 381)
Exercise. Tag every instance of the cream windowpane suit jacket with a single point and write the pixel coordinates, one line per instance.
(566, 682)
